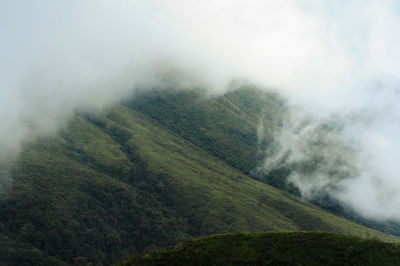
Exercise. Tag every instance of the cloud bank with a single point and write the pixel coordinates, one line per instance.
(337, 63)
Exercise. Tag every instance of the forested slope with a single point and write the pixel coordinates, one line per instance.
(124, 181)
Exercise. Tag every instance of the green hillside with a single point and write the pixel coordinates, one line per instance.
(124, 181)
(295, 248)
(223, 126)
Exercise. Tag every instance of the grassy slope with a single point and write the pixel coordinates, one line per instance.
(296, 248)
(226, 127)
(223, 126)
(118, 183)
(222, 193)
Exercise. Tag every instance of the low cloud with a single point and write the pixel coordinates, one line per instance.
(351, 156)
(336, 63)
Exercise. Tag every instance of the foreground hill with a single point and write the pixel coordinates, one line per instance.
(297, 248)
(121, 182)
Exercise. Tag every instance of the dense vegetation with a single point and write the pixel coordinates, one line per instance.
(124, 181)
(294, 248)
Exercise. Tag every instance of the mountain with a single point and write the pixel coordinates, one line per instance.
(161, 168)
(294, 248)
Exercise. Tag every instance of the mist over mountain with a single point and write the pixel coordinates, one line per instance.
(335, 64)
(348, 155)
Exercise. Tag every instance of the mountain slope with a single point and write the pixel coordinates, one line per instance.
(228, 127)
(223, 126)
(120, 182)
(296, 248)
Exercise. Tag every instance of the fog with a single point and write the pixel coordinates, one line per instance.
(336, 63)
